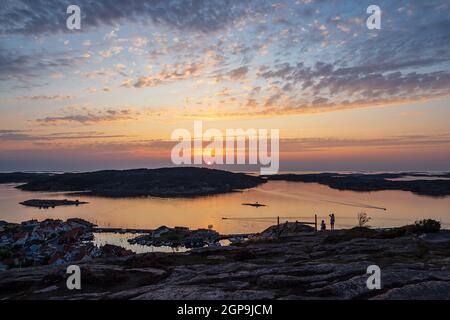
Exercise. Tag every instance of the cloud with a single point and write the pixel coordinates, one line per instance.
(324, 86)
(2, 132)
(23, 135)
(110, 52)
(140, 41)
(44, 97)
(306, 56)
(280, 105)
(44, 16)
(225, 92)
(170, 73)
(317, 144)
(239, 73)
(89, 116)
(24, 67)
(93, 74)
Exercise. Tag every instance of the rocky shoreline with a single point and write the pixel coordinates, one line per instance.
(295, 263)
(49, 242)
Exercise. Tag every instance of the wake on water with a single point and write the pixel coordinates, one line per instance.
(311, 198)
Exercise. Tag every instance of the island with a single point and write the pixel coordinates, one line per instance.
(256, 204)
(195, 181)
(20, 177)
(163, 182)
(45, 204)
(422, 184)
(177, 236)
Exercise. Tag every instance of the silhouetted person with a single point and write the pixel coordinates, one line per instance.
(323, 226)
(332, 219)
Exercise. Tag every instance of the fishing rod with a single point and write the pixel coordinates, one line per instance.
(296, 196)
(260, 218)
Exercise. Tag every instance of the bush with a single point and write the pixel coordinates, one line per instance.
(363, 219)
(422, 226)
(425, 226)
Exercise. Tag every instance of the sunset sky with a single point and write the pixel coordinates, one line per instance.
(109, 95)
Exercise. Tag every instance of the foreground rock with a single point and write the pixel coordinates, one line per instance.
(178, 236)
(297, 265)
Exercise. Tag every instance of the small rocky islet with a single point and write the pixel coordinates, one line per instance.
(290, 261)
(178, 237)
(47, 203)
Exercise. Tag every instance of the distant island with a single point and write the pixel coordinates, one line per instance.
(164, 182)
(375, 182)
(20, 177)
(192, 181)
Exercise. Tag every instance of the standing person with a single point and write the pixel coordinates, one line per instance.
(332, 219)
(323, 226)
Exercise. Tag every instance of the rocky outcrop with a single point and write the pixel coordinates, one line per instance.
(33, 243)
(178, 236)
(430, 290)
(306, 265)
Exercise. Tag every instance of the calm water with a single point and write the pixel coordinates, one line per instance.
(121, 239)
(285, 199)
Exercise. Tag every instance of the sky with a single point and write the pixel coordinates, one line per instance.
(108, 96)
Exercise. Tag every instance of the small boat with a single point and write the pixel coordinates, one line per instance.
(256, 204)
